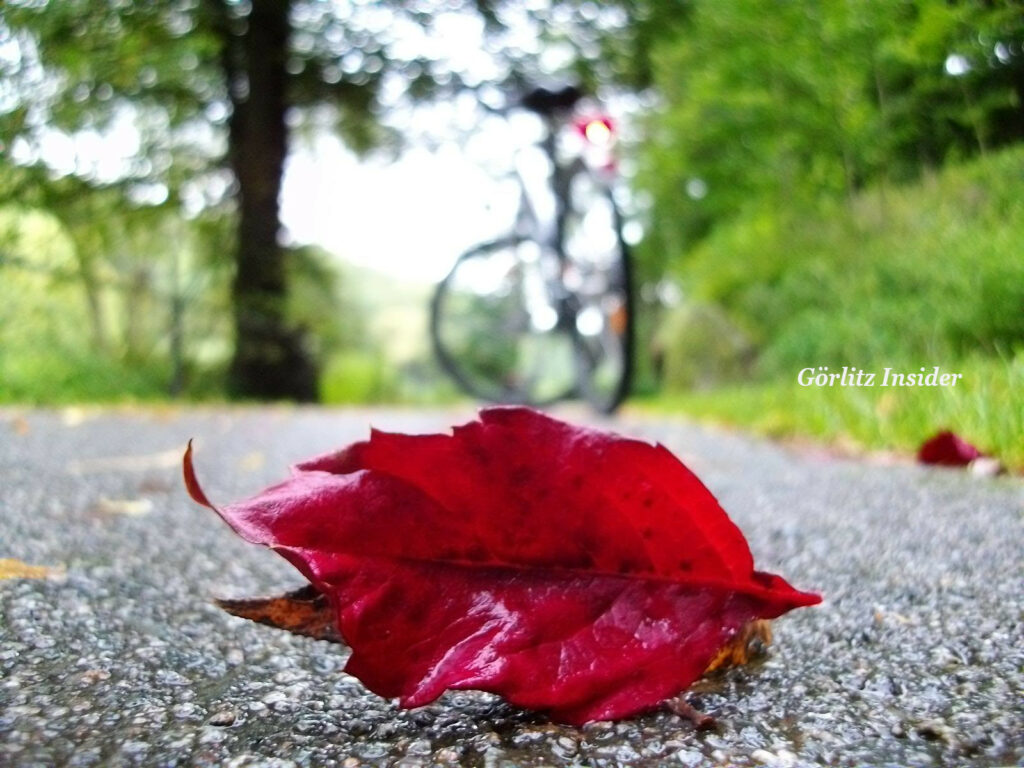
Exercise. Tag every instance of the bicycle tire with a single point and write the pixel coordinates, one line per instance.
(484, 334)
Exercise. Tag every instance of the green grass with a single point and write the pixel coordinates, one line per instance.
(357, 377)
(986, 408)
(80, 377)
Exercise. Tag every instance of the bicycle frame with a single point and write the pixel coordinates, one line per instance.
(528, 221)
(551, 233)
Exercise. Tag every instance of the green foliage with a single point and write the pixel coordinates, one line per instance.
(321, 300)
(64, 340)
(902, 276)
(924, 275)
(358, 377)
(843, 183)
(86, 309)
(612, 42)
(67, 375)
(763, 110)
(700, 348)
(168, 66)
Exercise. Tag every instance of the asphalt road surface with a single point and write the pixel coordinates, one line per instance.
(916, 657)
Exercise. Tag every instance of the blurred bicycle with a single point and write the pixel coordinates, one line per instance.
(545, 312)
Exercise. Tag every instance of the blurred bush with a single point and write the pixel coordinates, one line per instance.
(358, 377)
(838, 184)
(925, 273)
(699, 347)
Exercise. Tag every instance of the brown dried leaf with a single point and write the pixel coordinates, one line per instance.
(122, 507)
(16, 569)
(304, 611)
(749, 643)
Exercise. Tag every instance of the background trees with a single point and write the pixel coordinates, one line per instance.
(209, 91)
(820, 99)
(773, 147)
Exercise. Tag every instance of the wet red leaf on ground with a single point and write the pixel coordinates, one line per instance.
(948, 449)
(569, 570)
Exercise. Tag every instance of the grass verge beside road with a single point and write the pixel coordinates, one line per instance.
(986, 408)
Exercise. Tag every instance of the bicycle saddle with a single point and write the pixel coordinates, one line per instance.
(544, 101)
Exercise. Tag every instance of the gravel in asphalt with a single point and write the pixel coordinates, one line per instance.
(916, 658)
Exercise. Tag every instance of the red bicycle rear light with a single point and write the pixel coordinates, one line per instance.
(597, 130)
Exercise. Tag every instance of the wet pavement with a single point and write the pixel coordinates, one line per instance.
(916, 658)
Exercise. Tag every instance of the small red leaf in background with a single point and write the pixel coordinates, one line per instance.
(569, 570)
(947, 449)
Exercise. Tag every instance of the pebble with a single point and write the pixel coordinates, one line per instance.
(135, 747)
(782, 758)
(419, 747)
(565, 747)
(274, 697)
(934, 730)
(222, 718)
(186, 710)
(211, 736)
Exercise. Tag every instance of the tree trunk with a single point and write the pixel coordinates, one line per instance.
(270, 359)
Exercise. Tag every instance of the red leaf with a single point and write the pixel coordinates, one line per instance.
(948, 449)
(571, 571)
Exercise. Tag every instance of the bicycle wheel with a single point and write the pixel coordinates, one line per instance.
(597, 274)
(497, 326)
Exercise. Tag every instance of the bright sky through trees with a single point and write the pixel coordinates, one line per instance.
(410, 218)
